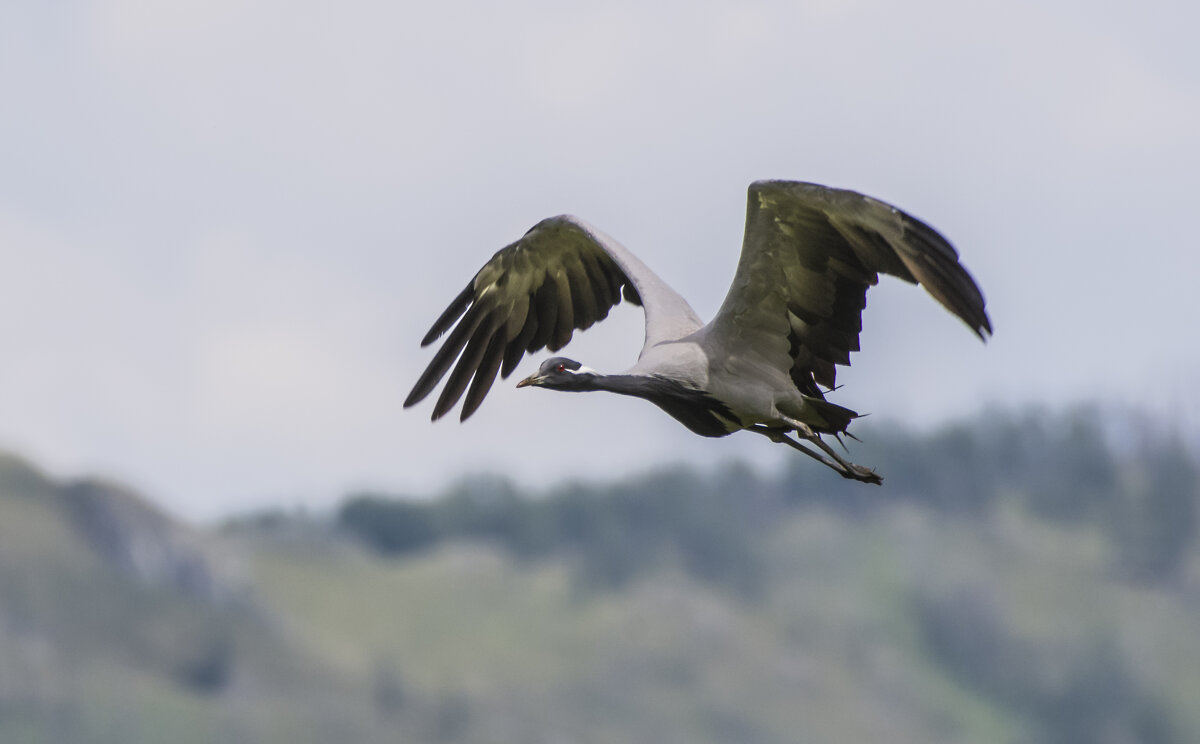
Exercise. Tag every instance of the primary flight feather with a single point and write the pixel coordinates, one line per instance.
(764, 362)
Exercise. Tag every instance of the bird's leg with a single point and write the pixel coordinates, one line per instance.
(781, 436)
(835, 461)
(840, 464)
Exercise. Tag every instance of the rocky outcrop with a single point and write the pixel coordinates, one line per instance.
(143, 541)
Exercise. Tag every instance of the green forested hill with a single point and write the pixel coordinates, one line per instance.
(1016, 579)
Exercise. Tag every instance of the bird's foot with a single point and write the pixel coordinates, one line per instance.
(860, 473)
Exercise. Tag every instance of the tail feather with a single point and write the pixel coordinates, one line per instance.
(827, 418)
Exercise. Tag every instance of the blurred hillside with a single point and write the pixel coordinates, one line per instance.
(1018, 578)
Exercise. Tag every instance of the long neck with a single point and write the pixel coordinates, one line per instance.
(695, 409)
(638, 387)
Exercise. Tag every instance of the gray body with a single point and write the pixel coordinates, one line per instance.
(764, 362)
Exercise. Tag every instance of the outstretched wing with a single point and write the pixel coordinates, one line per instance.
(562, 276)
(809, 255)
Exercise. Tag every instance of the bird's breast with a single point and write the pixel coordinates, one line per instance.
(700, 412)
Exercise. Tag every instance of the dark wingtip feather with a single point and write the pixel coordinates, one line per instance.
(450, 314)
(947, 279)
(516, 347)
(468, 364)
(485, 375)
(984, 328)
(444, 357)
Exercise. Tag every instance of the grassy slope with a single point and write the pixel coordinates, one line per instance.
(465, 644)
(89, 655)
(834, 649)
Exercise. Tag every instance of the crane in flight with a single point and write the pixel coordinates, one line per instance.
(763, 364)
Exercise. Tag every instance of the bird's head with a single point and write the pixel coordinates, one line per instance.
(560, 373)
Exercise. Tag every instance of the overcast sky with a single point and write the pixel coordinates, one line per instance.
(226, 224)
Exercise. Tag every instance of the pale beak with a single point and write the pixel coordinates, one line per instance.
(533, 379)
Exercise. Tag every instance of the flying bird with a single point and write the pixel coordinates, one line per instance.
(763, 364)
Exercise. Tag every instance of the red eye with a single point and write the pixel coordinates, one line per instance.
(561, 368)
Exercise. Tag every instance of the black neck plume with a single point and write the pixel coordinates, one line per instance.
(695, 409)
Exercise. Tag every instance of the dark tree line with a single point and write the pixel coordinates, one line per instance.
(614, 531)
(1081, 467)
(1137, 484)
